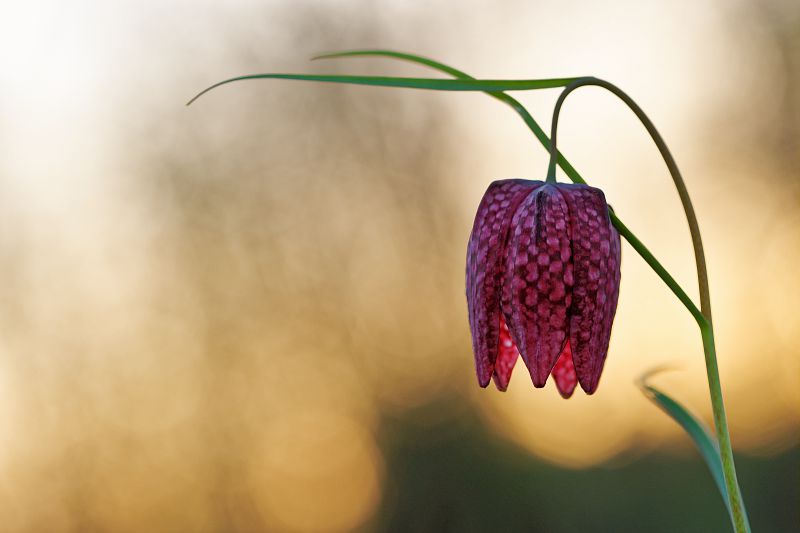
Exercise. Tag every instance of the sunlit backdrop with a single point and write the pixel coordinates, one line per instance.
(227, 317)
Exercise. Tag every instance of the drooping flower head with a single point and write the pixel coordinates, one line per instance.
(543, 273)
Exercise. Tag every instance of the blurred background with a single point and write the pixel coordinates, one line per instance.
(249, 314)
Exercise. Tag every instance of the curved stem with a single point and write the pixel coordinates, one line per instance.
(565, 165)
(662, 272)
(636, 244)
(703, 317)
(680, 185)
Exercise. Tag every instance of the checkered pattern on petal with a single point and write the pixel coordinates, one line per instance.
(485, 267)
(538, 282)
(596, 260)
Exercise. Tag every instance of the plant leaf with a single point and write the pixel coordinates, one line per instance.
(410, 83)
(398, 55)
(569, 170)
(705, 443)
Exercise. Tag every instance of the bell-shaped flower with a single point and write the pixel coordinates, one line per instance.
(543, 273)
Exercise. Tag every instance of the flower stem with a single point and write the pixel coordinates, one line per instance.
(703, 315)
(680, 185)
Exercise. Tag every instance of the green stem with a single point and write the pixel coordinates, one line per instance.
(659, 269)
(680, 185)
(702, 316)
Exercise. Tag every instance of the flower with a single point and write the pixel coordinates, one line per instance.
(543, 273)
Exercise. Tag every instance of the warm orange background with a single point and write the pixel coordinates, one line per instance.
(234, 294)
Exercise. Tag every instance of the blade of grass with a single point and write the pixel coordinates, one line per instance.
(409, 83)
(693, 426)
(538, 132)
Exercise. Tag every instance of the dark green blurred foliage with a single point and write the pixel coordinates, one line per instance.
(454, 476)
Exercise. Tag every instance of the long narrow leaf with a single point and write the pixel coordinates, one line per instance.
(694, 427)
(569, 170)
(409, 83)
(428, 62)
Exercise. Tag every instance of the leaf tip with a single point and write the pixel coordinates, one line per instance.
(642, 381)
(330, 55)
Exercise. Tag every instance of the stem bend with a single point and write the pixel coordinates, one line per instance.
(680, 185)
(703, 318)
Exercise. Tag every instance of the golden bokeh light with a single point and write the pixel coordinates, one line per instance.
(315, 470)
(210, 315)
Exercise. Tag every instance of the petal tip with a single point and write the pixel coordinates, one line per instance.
(566, 394)
(502, 387)
(564, 373)
(539, 384)
(590, 387)
(539, 381)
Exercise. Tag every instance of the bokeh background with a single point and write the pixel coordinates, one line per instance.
(249, 314)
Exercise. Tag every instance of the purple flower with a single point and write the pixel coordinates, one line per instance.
(543, 272)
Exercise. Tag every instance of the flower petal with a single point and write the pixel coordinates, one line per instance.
(596, 260)
(612, 289)
(485, 267)
(506, 358)
(538, 285)
(564, 373)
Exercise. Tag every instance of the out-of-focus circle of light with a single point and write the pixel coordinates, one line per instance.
(406, 364)
(315, 471)
(577, 433)
(782, 302)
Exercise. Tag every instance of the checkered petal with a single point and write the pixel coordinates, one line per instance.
(564, 373)
(486, 254)
(539, 280)
(596, 260)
